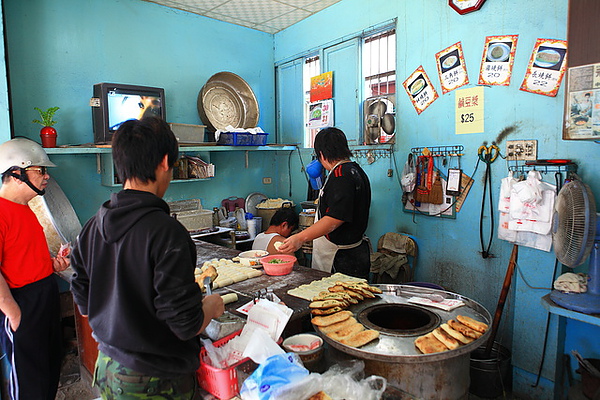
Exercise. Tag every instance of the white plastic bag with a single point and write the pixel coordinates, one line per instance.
(409, 175)
(343, 381)
(505, 191)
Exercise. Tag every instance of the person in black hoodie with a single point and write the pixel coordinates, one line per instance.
(134, 276)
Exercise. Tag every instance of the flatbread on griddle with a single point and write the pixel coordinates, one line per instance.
(465, 330)
(472, 323)
(456, 334)
(445, 338)
(428, 344)
(361, 338)
(331, 319)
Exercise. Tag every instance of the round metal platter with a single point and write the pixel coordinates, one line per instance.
(395, 348)
(227, 99)
(252, 200)
(57, 216)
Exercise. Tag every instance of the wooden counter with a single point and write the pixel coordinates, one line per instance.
(299, 322)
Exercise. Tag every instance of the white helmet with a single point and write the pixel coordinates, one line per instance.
(22, 153)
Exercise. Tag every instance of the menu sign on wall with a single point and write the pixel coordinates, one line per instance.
(469, 115)
(546, 67)
(451, 67)
(498, 60)
(420, 90)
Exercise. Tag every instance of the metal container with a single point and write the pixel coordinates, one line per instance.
(227, 99)
(394, 356)
(266, 212)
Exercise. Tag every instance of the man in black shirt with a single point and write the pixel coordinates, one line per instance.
(343, 211)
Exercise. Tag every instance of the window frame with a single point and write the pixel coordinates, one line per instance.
(356, 138)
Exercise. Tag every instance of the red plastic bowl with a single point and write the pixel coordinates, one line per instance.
(282, 268)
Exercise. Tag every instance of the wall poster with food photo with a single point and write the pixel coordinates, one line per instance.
(498, 60)
(420, 90)
(582, 103)
(546, 67)
(451, 68)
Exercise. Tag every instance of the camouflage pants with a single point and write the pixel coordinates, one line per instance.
(118, 382)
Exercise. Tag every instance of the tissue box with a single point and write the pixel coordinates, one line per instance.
(242, 139)
(224, 383)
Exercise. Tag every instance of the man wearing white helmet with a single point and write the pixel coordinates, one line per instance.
(30, 335)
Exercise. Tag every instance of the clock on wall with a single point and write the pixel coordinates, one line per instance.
(465, 6)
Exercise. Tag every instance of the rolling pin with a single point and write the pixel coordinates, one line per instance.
(229, 298)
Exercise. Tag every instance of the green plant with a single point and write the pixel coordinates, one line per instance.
(46, 116)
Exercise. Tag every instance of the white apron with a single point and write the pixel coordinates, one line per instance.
(324, 250)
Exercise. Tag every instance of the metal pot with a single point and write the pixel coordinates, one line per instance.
(394, 356)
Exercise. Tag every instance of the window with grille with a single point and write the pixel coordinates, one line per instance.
(379, 74)
(363, 66)
(379, 63)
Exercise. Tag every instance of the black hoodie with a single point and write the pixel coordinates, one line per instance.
(134, 279)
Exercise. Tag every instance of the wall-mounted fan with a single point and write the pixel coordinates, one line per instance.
(575, 236)
(379, 119)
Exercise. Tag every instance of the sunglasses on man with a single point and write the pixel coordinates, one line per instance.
(41, 170)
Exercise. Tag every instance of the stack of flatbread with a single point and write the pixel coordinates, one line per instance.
(451, 335)
(344, 328)
(341, 296)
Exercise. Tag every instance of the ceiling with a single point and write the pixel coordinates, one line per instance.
(269, 16)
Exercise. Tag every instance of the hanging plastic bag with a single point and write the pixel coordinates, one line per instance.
(506, 185)
(409, 175)
(277, 371)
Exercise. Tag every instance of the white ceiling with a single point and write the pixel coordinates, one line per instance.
(269, 16)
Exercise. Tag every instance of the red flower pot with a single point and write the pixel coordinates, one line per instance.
(48, 136)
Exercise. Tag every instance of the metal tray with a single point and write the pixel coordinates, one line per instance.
(252, 200)
(227, 99)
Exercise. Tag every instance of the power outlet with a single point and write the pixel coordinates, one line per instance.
(521, 150)
(266, 181)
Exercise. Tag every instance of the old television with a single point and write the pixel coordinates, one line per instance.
(114, 103)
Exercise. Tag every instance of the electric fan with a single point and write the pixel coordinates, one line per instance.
(575, 236)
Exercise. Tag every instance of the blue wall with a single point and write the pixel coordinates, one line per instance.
(449, 250)
(58, 49)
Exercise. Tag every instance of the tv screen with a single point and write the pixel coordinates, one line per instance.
(114, 104)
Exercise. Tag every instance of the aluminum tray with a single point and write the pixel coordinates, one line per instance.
(227, 99)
